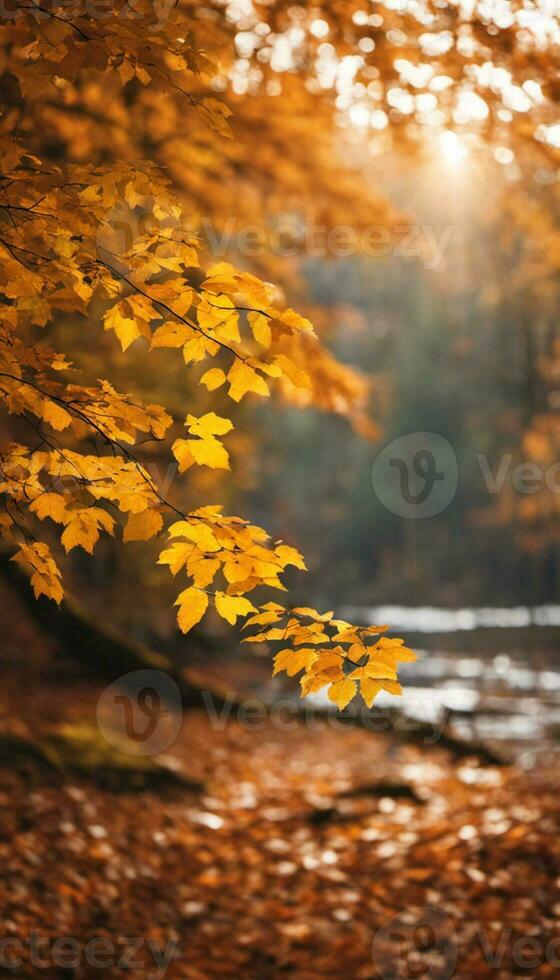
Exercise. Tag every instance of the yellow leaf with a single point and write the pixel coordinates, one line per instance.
(142, 526)
(291, 556)
(83, 528)
(196, 349)
(192, 606)
(176, 556)
(293, 661)
(198, 532)
(125, 328)
(382, 659)
(208, 425)
(45, 576)
(218, 317)
(404, 655)
(182, 454)
(313, 614)
(378, 671)
(392, 687)
(243, 378)
(295, 374)
(126, 72)
(261, 329)
(369, 689)
(356, 652)
(203, 571)
(56, 416)
(342, 692)
(51, 505)
(171, 335)
(310, 683)
(328, 659)
(209, 452)
(230, 607)
(263, 618)
(295, 321)
(212, 379)
(221, 277)
(143, 75)
(388, 642)
(217, 113)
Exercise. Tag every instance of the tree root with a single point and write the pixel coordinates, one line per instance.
(82, 750)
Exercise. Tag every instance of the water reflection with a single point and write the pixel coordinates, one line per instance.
(512, 699)
(435, 619)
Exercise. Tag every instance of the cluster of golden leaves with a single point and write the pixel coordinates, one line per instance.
(331, 652)
(138, 81)
(91, 93)
(80, 470)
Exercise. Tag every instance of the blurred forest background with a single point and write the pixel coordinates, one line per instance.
(458, 350)
(456, 333)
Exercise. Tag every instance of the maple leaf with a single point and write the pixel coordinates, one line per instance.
(209, 452)
(205, 449)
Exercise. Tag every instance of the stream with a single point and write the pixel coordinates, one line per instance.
(510, 698)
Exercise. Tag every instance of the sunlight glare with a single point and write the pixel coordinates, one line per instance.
(453, 149)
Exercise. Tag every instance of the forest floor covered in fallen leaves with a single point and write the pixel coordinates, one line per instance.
(291, 861)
